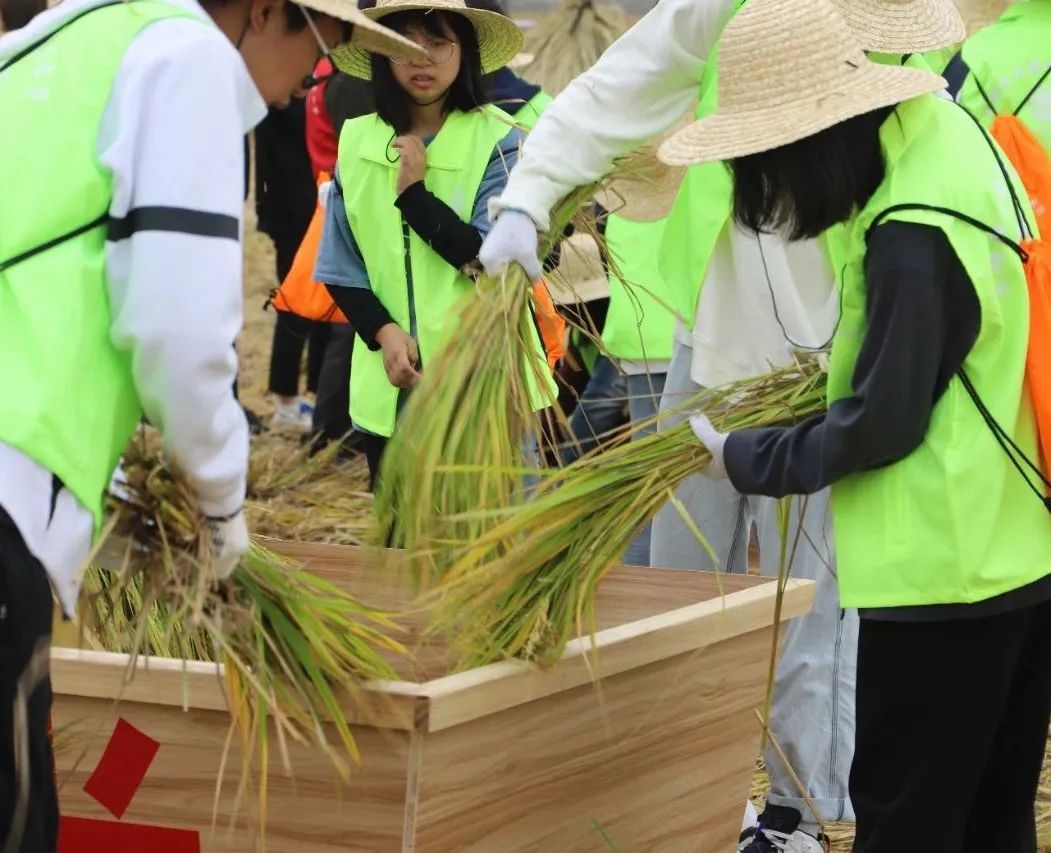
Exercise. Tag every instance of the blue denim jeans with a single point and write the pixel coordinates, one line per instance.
(813, 713)
(601, 411)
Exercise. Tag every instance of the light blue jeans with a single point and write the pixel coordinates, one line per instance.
(812, 716)
(601, 411)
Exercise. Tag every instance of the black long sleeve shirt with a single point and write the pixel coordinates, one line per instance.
(923, 320)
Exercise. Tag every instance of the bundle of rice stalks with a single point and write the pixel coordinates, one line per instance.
(526, 585)
(461, 438)
(293, 645)
(568, 41)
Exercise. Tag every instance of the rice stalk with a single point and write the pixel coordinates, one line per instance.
(294, 645)
(460, 441)
(526, 584)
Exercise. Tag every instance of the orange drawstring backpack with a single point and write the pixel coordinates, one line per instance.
(1035, 255)
(299, 294)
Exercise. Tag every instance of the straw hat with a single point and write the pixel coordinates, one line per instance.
(643, 188)
(787, 70)
(366, 33)
(903, 26)
(980, 13)
(499, 39)
(580, 275)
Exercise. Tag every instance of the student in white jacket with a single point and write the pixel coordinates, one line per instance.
(762, 302)
(120, 295)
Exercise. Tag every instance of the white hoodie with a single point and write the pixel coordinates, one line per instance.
(172, 135)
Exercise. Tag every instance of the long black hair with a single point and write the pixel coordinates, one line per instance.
(467, 90)
(802, 189)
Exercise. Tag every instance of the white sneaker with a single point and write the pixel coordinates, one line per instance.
(751, 817)
(294, 417)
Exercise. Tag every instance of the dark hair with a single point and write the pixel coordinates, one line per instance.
(497, 6)
(802, 189)
(467, 90)
(15, 14)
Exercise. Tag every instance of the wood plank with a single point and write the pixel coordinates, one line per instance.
(312, 813)
(466, 696)
(661, 758)
(173, 683)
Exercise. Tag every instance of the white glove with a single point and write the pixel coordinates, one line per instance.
(715, 441)
(230, 542)
(513, 239)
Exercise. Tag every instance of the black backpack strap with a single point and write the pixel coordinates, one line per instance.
(1033, 91)
(98, 222)
(955, 74)
(1018, 458)
(22, 54)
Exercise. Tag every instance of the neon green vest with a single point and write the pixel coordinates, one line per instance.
(1008, 59)
(953, 522)
(639, 325)
(418, 287)
(532, 109)
(69, 401)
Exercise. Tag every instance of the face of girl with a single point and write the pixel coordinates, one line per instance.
(427, 81)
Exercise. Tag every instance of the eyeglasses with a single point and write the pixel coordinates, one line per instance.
(438, 52)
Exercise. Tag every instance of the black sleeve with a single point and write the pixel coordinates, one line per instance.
(364, 310)
(923, 320)
(438, 225)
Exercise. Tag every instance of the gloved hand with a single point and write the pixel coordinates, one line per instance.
(715, 441)
(230, 542)
(513, 239)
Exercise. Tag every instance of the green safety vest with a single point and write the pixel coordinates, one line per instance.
(69, 399)
(953, 522)
(415, 284)
(1008, 58)
(639, 324)
(531, 110)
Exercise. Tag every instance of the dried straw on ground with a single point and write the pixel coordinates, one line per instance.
(526, 584)
(568, 41)
(293, 495)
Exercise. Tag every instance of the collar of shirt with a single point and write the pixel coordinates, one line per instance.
(252, 107)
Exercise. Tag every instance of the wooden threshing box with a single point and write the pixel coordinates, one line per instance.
(657, 757)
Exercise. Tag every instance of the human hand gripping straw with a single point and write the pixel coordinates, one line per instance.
(513, 239)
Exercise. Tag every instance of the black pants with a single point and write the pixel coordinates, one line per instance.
(952, 721)
(332, 410)
(291, 335)
(25, 626)
(374, 447)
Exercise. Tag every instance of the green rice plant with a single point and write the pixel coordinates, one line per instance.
(526, 584)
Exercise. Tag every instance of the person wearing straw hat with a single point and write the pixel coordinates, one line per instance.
(417, 175)
(941, 524)
(763, 302)
(120, 295)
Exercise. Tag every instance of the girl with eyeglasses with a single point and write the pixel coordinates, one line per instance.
(409, 207)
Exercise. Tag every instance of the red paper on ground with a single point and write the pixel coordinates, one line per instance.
(121, 769)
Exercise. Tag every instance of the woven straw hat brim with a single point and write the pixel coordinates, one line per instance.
(726, 135)
(499, 39)
(580, 275)
(903, 26)
(367, 33)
